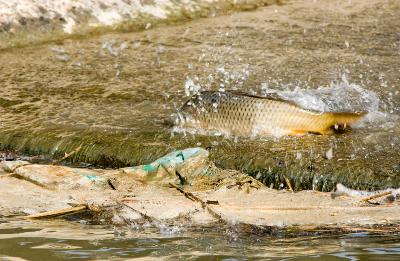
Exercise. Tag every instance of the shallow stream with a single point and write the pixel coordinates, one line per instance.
(112, 95)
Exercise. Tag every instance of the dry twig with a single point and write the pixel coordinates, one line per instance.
(204, 204)
(181, 178)
(143, 215)
(288, 184)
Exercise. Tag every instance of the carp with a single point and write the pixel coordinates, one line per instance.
(240, 114)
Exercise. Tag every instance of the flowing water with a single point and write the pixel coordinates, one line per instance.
(112, 95)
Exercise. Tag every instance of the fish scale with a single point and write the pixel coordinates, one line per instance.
(240, 114)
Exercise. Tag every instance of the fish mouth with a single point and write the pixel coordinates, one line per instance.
(177, 119)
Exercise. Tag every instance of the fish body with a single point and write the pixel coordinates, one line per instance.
(240, 114)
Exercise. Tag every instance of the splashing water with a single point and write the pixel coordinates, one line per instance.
(191, 88)
(339, 96)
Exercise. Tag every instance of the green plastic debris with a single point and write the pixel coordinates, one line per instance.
(187, 162)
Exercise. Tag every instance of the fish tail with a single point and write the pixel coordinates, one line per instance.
(336, 122)
(346, 118)
(340, 121)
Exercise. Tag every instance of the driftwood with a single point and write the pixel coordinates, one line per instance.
(58, 212)
(8, 175)
(377, 196)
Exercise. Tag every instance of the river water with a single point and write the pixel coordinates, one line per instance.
(112, 94)
(76, 240)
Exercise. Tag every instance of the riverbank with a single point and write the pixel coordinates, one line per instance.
(191, 193)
